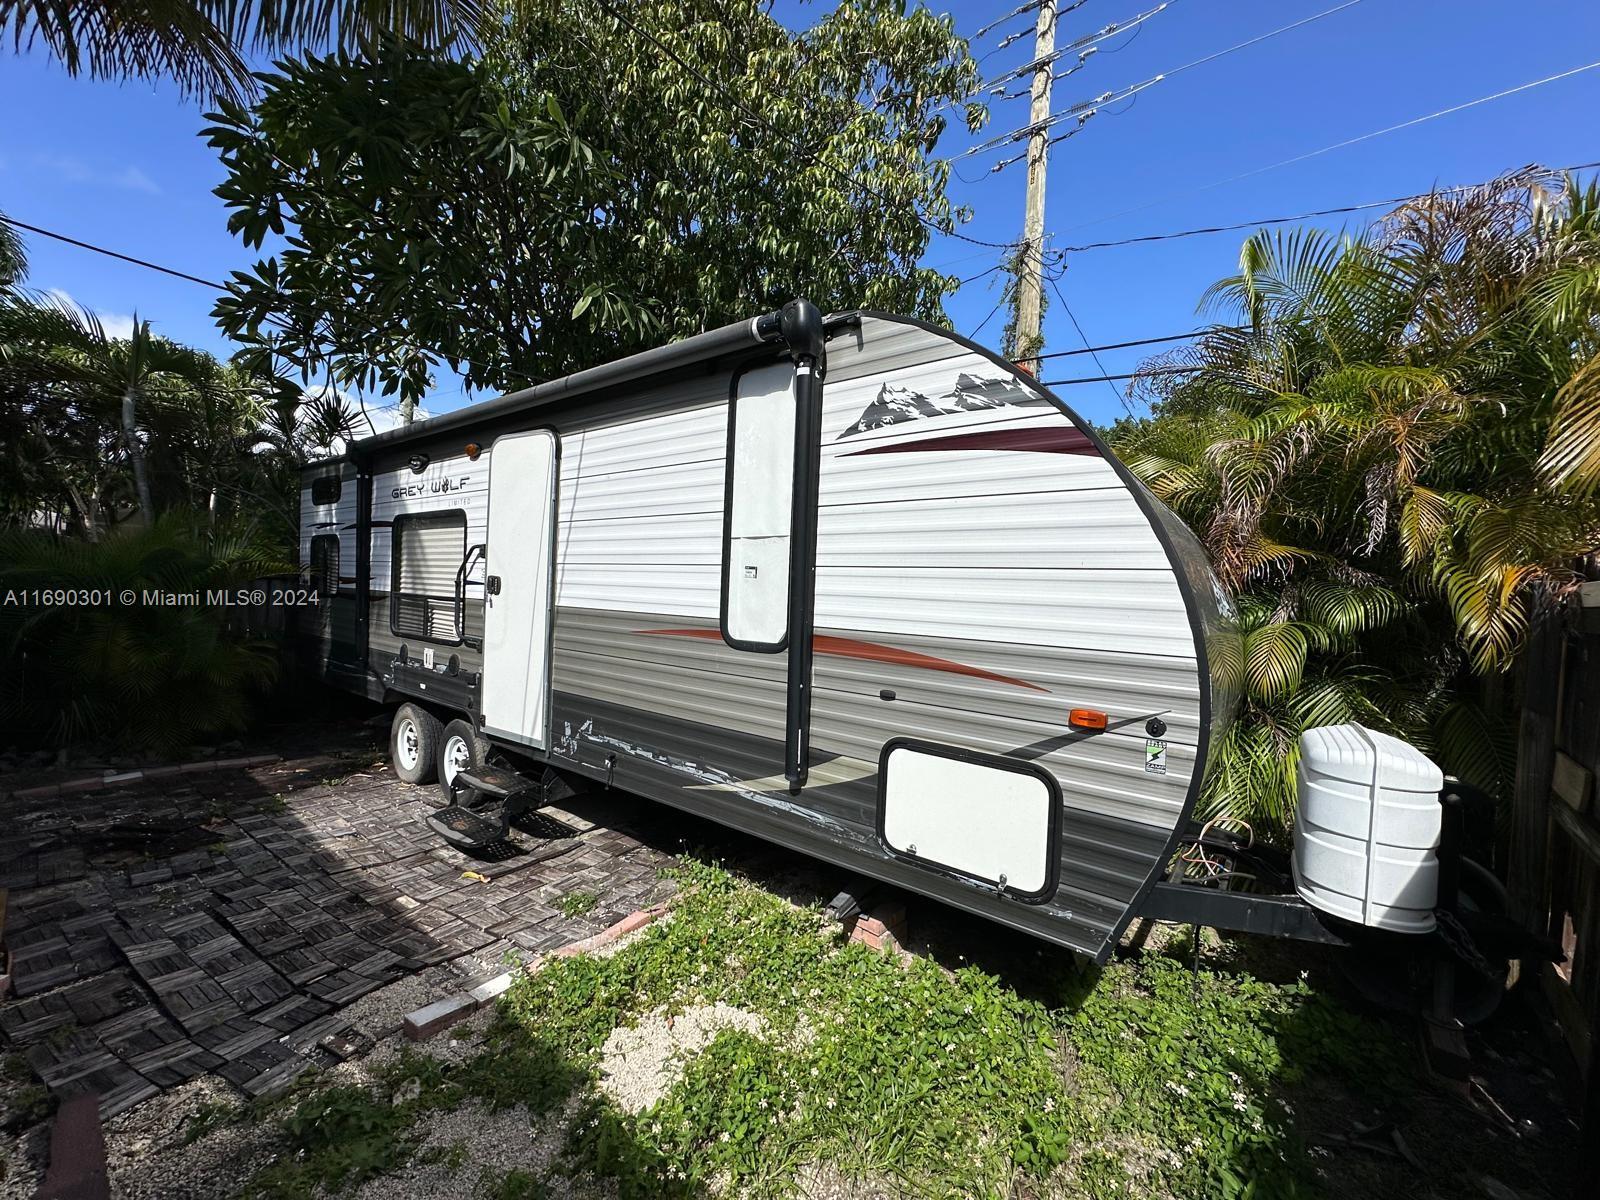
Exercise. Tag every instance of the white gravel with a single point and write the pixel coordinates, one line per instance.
(475, 1142)
(23, 1155)
(146, 1155)
(640, 1063)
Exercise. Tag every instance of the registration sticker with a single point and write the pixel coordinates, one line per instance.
(1155, 757)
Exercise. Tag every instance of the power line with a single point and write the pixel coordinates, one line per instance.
(1015, 12)
(1200, 62)
(1090, 107)
(1149, 341)
(1012, 38)
(277, 322)
(1108, 378)
(1115, 390)
(1084, 107)
(1320, 212)
(1088, 39)
(973, 336)
(1443, 112)
(752, 115)
(127, 258)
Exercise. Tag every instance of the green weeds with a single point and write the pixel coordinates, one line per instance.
(935, 1082)
(578, 903)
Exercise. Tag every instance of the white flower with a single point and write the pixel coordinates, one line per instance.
(1174, 1086)
(725, 1137)
(949, 1047)
(832, 1103)
(1049, 1104)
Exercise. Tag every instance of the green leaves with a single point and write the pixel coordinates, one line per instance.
(576, 194)
(1274, 660)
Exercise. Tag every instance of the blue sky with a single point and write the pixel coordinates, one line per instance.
(123, 164)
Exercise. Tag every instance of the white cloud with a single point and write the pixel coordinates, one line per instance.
(384, 417)
(116, 325)
(75, 170)
(136, 180)
(387, 417)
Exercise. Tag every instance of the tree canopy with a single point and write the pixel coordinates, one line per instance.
(577, 193)
(1389, 455)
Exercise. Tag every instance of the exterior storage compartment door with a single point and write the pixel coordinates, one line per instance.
(990, 820)
(519, 564)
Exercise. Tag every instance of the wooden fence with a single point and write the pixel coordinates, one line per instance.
(1553, 866)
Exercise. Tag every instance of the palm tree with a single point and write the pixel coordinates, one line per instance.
(1392, 462)
(202, 44)
(13, 258)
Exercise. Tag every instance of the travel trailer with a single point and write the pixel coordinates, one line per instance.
(852, 584)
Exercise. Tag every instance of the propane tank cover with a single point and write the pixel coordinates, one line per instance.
(1366, 839)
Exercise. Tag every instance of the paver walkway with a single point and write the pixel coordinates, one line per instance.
(220, 923)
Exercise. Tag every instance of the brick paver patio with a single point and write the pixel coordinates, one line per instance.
(221, 923)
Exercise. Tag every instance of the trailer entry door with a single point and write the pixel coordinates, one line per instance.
(520, 558)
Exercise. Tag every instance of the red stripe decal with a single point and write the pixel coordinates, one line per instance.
(1051, 438)
(871, 652)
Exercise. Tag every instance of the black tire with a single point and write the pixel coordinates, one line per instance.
(459, 745)
(414, 743)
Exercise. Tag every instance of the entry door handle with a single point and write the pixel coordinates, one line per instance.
(491, 585)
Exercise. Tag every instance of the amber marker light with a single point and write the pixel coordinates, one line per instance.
(1086, 718)
(473, 450)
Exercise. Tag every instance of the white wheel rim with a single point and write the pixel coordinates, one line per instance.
(407, 748)
(457, 757)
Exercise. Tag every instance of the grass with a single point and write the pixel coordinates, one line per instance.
(1145, 1080)
(23, 1101)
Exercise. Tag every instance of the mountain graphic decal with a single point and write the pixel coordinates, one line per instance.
(892, 406)
(896, 405)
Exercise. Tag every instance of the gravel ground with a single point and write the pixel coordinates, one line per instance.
(476, 1142)
(148, 1159)
(145, 1148)
(19, 1155)
(640, 1063)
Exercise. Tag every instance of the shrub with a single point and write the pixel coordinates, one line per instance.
(143, 675)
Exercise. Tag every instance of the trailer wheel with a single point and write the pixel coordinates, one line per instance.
(459, 747)
(414, 743)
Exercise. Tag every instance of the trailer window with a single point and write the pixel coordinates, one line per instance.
(428, 551)
(756, 517)
(325, 490)
(324, 565)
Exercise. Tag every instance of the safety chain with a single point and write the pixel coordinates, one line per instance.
(1455, 936)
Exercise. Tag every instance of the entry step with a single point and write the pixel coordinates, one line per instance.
(465, 828)
(499, 782)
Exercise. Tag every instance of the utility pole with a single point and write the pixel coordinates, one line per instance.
(1030, 281)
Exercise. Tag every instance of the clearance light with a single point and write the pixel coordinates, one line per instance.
(1086, 718)
(473, 450)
